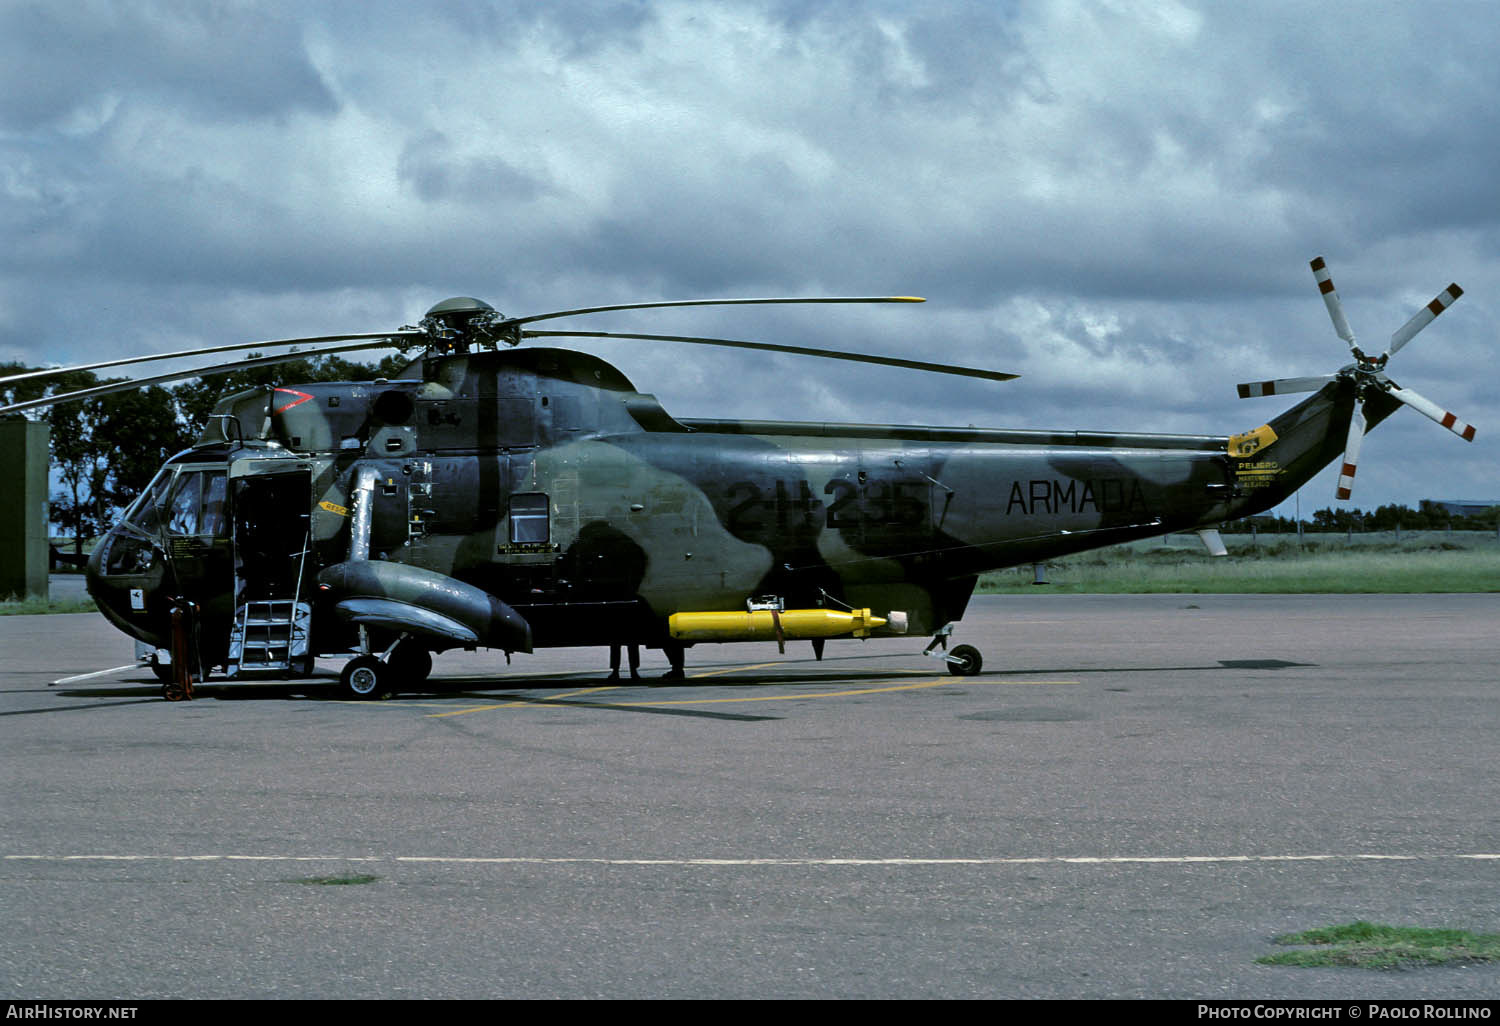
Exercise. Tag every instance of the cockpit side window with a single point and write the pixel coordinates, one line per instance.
(215, 487)
(185, 507)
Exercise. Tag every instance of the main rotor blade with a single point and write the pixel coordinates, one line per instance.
(199, 372)
(1281, 386)
(1331, 300)
(713, 302)
(827, 354)
(56, 371)
(1351, 451)
(1428, 408)
(1423, 317)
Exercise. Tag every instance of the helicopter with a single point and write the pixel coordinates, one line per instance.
(509, 498)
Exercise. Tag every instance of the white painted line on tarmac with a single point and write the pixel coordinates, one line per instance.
(96, 673)
(537, 860)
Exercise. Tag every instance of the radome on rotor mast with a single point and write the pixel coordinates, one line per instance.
(510, 499)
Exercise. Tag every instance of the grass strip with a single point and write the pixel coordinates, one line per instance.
(33, 606)
(335, 881)
(1279, 568)
(1365, 945)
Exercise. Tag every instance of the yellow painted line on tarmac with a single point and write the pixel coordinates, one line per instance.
(516, 705)
(731, 669)
(890, 686)
(792, 665)
(879, 687)
(802, 698)
(885, 687)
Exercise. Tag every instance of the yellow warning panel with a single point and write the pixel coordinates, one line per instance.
(1251, 442)
(1261, 473)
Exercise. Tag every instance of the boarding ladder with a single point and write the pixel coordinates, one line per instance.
(269, 637)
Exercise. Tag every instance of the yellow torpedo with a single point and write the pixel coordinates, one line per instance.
(771, 625)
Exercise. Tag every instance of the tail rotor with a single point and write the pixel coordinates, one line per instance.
(1367, 373)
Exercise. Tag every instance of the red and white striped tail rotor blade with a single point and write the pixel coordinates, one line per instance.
(1423, 317)
(1351, 452)
(1331, 300)
(1428, 408)
(1282, 386)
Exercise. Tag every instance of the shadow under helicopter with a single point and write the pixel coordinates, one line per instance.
(326, 688)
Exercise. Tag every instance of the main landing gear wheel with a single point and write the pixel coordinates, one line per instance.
(968, 661)
(410, 663)
(366, 678)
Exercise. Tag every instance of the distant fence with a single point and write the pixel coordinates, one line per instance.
(1400, 536)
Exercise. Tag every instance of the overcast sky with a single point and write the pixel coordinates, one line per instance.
(1117, 200)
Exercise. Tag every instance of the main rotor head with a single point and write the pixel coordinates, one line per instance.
(457, 324)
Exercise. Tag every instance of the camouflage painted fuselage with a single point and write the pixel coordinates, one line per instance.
(543, 478)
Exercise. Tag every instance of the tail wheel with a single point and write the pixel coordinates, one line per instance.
(968, 661)
(365, 678)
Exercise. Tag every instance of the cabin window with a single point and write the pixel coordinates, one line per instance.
(529, 519)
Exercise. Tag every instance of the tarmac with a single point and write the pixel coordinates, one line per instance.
(1135, 796)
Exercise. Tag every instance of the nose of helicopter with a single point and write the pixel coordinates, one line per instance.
(126, 586)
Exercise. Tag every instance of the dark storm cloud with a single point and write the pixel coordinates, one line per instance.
(1387, 131)
(213, 60)
(1117, 200)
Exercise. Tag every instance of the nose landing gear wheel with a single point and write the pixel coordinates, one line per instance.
(163, 671)
(365, 678)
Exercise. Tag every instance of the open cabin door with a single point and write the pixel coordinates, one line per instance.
(271, 511)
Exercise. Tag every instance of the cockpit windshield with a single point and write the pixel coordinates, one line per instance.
(186, 501)
(181, 503)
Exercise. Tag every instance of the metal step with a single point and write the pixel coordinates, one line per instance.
(269, 637)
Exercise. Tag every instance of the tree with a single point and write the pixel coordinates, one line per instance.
(143, 431)
(1339, 520)
(80, 456)
(1437, 516)
(1388, 518)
